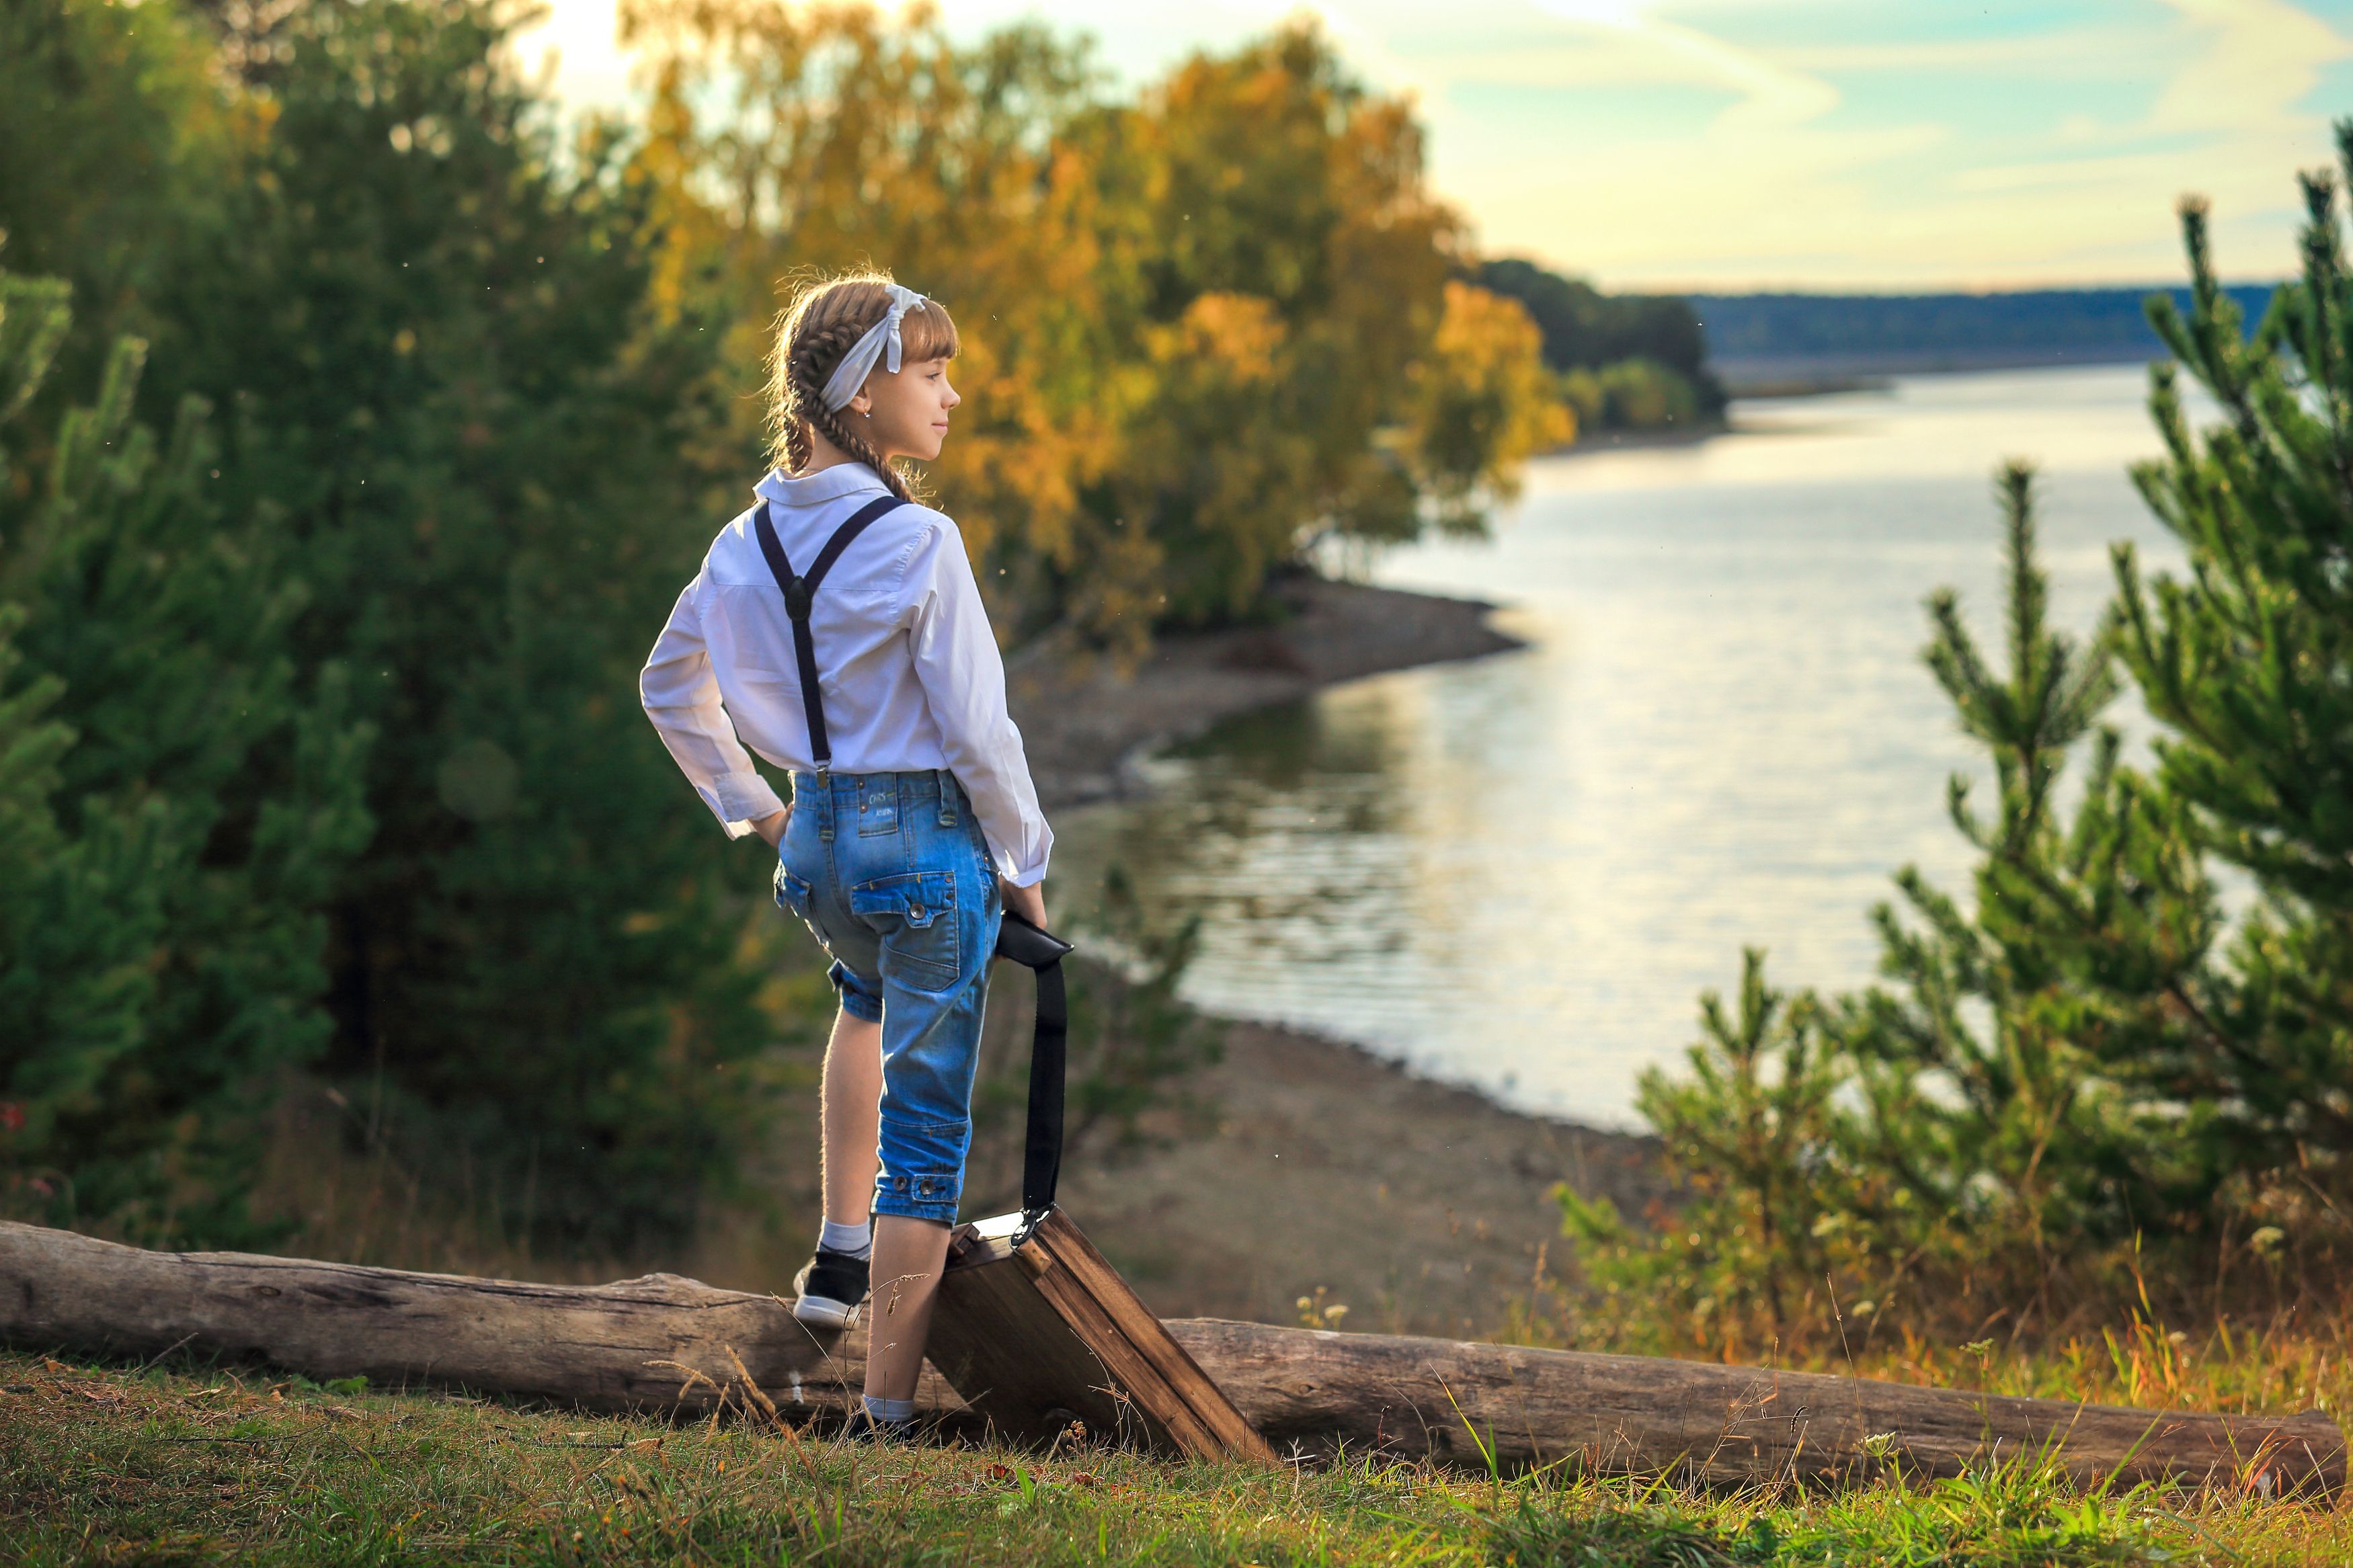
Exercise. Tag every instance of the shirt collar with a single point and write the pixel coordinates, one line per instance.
(825, 485)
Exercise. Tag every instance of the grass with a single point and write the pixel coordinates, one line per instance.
(2289, 1355)
(2278, 1368)
(192, 1463)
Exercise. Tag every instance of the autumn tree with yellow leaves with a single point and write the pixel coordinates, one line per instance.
(1203, 328)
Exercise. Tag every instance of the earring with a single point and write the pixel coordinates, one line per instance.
(866, 414)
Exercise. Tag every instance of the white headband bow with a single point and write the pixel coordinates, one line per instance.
(880, 341)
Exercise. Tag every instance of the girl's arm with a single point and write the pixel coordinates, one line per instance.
(682, 697)
(962, 677)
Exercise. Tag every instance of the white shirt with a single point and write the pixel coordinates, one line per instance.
(907, 667)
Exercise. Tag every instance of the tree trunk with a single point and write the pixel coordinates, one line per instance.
(663, 1342)
(659, 1341)
(1614, 1413)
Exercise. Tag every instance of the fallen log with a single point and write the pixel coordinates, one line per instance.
(657, 1342)
(1466, 1403)
(667, 1344)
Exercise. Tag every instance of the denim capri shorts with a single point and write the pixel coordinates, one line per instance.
(892, 875)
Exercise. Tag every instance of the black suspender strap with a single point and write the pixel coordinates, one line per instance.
(800, 592)
(1041, 1154)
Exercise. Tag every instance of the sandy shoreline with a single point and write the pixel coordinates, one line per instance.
(1083, 720)
(1422, 1206)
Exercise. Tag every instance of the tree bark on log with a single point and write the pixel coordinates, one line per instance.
(666, 1343)
(1645, 1416)
(656, 1342)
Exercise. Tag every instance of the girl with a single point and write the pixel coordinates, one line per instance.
(837, 629)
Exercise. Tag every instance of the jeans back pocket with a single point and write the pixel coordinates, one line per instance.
(915, 912)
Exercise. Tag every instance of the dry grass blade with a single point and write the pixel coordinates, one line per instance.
(785, 1428)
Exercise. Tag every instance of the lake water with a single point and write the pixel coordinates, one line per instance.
(1520, 872)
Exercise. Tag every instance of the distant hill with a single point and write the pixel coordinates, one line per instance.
(1760, 339)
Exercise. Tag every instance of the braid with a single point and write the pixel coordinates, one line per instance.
(794, 434)
(817, 332)
(837, 430)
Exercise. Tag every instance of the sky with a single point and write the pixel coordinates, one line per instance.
(1729, 145)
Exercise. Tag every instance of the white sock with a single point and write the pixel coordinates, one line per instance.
(857, 1240)
(890, 1412)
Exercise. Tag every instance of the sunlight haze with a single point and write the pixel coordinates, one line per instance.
(1838, 144)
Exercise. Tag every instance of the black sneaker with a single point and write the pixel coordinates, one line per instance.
(830, 1286)
(866, 1432)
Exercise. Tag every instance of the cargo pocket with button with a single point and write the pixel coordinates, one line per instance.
(914, 914)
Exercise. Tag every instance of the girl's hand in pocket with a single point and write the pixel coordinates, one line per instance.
(772, 827)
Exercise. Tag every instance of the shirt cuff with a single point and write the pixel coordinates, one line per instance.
(1032, 873)
(744, 799)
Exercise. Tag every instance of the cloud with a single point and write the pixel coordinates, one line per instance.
(2249, 63)
(2051, 153)
(1769, 94)
(1748, 142)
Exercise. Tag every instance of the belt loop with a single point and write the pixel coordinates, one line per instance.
(947, 797)
(824, 792)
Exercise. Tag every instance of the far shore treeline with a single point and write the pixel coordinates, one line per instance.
(1752, 334)
(362, 415)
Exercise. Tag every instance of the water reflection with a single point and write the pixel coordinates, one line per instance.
(1519, 872)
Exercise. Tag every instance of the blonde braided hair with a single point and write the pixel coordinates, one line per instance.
(824, 320)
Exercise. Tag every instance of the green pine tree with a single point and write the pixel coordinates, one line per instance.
(197, 800)
(487, 441)
(1753, 1131)
(2248, 662)
(1985, 1129)
(116, 145)
(2013, 1117)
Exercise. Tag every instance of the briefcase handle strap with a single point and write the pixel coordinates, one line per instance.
(1041, 1156)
